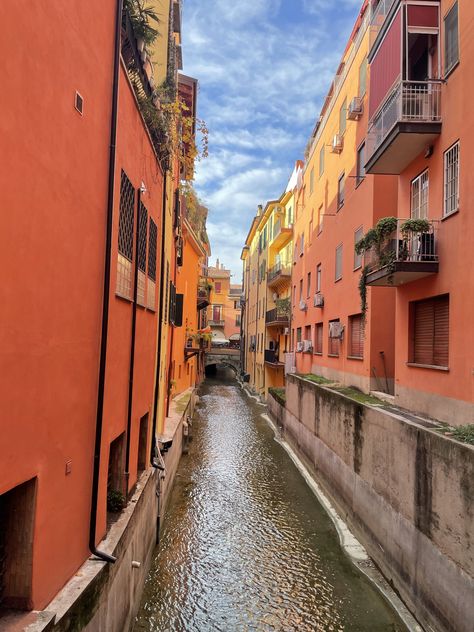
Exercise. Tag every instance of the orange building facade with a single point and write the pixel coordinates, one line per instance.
(90, 195)
(420, 129)
(224, 311)
(332, 334)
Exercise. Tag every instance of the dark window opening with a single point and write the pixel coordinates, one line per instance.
(116, 493)
(126, 219)
(152, 243)
(17, 513)
(142, 444)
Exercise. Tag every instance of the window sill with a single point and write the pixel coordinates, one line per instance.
(448, 215)
(359, 181)
(318, 353)
(333, 355)
(337, 280)
(428, 366)
(122, 297)
(358, 268)
(359, 358)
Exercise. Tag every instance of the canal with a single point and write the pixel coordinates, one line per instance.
(245, 545)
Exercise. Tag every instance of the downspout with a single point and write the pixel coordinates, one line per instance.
(132, 350)
(160, 325)
(106, 295)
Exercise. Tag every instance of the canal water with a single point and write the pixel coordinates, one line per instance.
(245, 545)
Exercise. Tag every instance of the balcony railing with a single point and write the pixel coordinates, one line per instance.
(409, 102)
(271, 357)
(406, 256)
(277, 271)
(216, 323)
(277, 316)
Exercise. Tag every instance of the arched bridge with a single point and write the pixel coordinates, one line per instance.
(227, 357)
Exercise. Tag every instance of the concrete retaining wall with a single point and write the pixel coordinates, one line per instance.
(406, 491)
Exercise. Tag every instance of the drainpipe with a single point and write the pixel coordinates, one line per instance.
(106, 293)
(132, 351)
(160, 324)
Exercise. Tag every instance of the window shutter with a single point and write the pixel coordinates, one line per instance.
(441, 328)
(319, 338)
(178, 312)
(431, 332)
(357, 337)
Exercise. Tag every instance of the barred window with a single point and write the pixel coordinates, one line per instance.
(141, 253)
(451, 180)
(152, 244)
(125, 237)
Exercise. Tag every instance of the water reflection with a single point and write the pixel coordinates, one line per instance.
(245, 545)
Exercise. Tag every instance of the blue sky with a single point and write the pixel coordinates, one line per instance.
(264, 68)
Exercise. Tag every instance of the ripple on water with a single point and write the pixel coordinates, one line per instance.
(245, 545)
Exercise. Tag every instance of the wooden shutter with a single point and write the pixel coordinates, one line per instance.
(319, 338)
(431, 332)
(441, 329)
(357, 337)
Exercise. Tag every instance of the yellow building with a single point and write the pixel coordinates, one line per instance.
(267, 257)
(223, 308)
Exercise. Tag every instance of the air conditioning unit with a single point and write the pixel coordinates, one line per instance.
(318, 300)
(337, 144)
(303, 306)
(336, 330)
(356, 108)
(307, 345)
(299, 346)
(286, 331)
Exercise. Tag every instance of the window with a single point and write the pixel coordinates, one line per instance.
(237, 320)
(308, 289)
(360, 164)
(142, 458)
(165, 315)
(340, 192)
(451, 180)
(333, 345)
(236, 304)
(311, 180)
(298, 334)
(125, 237)
(430, 331)
(321, 161)
(343, 117)
(294, 295)
(356, 340)
(320, 219)
(359, 233)
(218, 287)
(419, 196)
(307, 333)
(363, 77)
(216, 313)
(141, 254)
(115, 477)
(302, 245)
(290, 216)
(301, 289)
(451, 39)
(318, 339)
(318, 277)
(152, 245)
(338, 271)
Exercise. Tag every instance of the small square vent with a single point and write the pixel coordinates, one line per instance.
(79, 103)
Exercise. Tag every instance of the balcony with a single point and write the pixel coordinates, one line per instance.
(406, 256)
(216, 323)
(379, 17)
(279, 276)
(281, 235)
(203, 296)
(271, 358)
(407, 122)
(277, 317)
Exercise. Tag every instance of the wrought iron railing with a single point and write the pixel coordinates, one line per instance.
(405, 245)
(277, 270)
(277, 315)
(408, 102)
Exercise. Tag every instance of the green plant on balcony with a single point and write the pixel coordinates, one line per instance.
(414, 225)
(141, 17)
(283, 306)
(376, 240)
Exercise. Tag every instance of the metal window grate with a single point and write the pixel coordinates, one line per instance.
(142, 230)
(451, 180)
(127, 201)
(152, 242)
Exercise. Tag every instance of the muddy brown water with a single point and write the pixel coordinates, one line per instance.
(245, 545)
